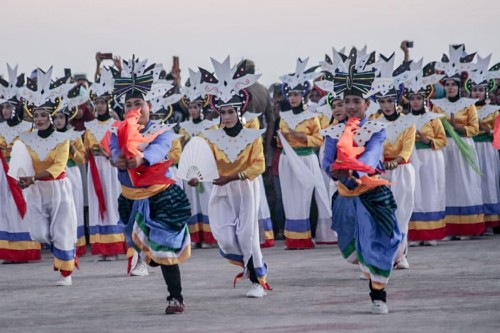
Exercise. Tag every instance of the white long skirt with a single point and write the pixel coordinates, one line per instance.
(464, 199)
(111, 189)
(105, 232)
(199, 222)
(489, 162)
(52, 219)
(16, 243)
(233, 212)
(297, 204)
(403, 189)
(266, 234)
(75, 177)
(427, 221)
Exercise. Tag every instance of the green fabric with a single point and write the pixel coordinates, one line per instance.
(70, 163)
(349, 249)
(373, 269)
(483, 138)
(468, 152)
(302, 151)
(421, 145)
(200, 187)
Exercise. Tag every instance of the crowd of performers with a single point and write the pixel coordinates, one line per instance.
(364, 155)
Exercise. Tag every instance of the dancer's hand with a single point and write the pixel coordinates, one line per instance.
(223, 180)
(193, 182)
(423, 138)
(121, 163)
(338, 174)
(298, 135)
(134, 162)
(25, 182)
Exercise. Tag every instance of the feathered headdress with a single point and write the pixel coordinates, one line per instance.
(388, 82)
(481, 76)
(301, 79)
(421, 80)
(227, 86)
(42, 93)
(104, 86)
(75, 97)
(338, 63)
(136, 79)
(10, 90)
(193, 91)
(358, 79)
(457, 64)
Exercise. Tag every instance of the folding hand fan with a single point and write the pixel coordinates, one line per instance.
(20, 164)
(197, 161)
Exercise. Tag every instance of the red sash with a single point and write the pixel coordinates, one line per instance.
(96, 180)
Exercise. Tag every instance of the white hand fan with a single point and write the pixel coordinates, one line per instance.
(20, 164)
(197, 161)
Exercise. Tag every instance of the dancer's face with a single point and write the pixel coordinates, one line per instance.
(356, 106)
(41, 118)
(478, 92)
(387, 105)
(228, 116)
(7, 111)
(338, 109)
(295, 99)
(59, 120)
(451, 88)
(194, 110)
(101, 106)
(138, 103)
(416, 102)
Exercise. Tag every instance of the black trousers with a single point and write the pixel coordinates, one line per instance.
(172, 277)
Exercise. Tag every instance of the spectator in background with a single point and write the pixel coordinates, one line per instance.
(278, 214)
(83, 115)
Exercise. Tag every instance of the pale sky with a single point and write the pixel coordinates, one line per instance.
(273, 33)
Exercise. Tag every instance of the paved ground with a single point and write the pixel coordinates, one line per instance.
(453, 287)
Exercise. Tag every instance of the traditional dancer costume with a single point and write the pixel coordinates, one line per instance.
(489, 159)
(464, 204)
(266, 233)
(69, 108)
(238, 151)
(300, 164)
(106, 235)
(199, 226)
(363, 214)
(16, 244)
(427, 220)
(152, 207)
(51, 211)
(398, 147)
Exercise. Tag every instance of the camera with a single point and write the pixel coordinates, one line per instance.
(409, 44)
